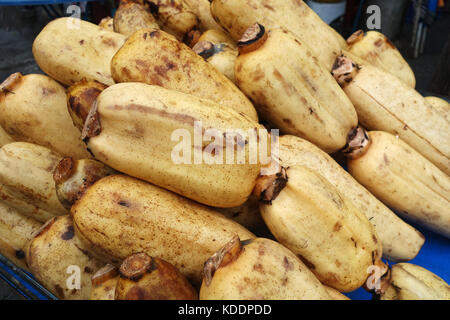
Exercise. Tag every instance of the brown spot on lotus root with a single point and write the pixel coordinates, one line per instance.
(337, 226)
(354, 241)
(374, 238)
(330, 278)
(109, 42)
(136, 293)
(68, 234)
(124, 203)
(48, 91)
(258, 268)
(126, 72)
(258, 74)
(59, 291)
(378, 43)
(288, 266)
(288, 87)
(268, 7)
(261, 251)
(183, 118)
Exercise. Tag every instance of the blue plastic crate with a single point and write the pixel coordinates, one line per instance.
(23, 282)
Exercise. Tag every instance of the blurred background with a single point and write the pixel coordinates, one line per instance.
(419, 29)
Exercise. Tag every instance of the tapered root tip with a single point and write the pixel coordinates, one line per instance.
(268, 187)
(355, 37)
(344, 70)
(8, 85)
(92, 126)
(358, 142)
(221, 258)
(253, 38)
(104, 274)
(80, 98)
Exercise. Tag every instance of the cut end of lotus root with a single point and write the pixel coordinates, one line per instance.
(136, 266)
(268, 187)
(344, 70)
(63, 170)
(205, 49)
(191, 38)
(253, 38)
(358, 142)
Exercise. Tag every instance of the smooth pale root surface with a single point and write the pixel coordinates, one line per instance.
(4, 137)
(360, 61)
(175, 17)
(294, 92)
(294, 15)
(15, 232)
(385, 103)
(440, 105)
(119, 215)
(315, 221)
(138, 121)
(36, 112)
(155, 57)
(412, 282)
(107, 23)
(335, 295)
(70, 50)
(403, 179)
(224, 62)
(52, 251)
(9, 196)
(379, 51)
(264, 270)
(28, 208)
(26, 175)
(400, 241)
(216, 37)
(131, 17)
(201, 8)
